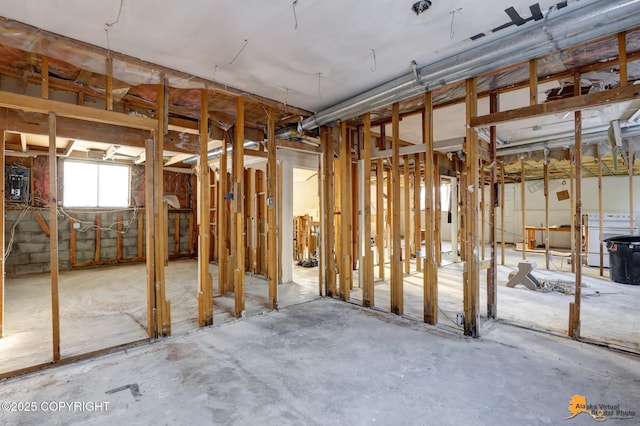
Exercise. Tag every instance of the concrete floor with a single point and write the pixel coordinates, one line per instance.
(326, 362)
(102, 308)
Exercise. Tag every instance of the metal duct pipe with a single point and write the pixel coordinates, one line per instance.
(215, 153)
(560, 142)
(553, 33)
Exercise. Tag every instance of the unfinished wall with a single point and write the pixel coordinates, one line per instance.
(615, 199)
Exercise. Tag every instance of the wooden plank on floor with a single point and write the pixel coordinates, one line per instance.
(53, 240)
(396, 264)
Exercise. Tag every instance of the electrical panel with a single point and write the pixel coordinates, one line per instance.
(17, 184)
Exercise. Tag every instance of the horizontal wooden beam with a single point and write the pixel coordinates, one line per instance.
(575, 103)
(298, 146)
(79, 112)
(69, 128)
(255, 153)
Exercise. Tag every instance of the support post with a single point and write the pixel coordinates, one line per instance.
(272, 180)
(502, 243)
(523, 210)
(109, 84)
(53, 237)
(471, 276)
(380, 216)
(205, 284)
(574, 326)
(600, 218)
(492, 272)
(630, 161)
(430, 276)
(546, 209)
(223, 222)
(367, 264)
(159, 219)
(438, 207)
(345, 215)
(417, 228)
(407, 216)
(396, 263)
(238, 210)
(329, 227)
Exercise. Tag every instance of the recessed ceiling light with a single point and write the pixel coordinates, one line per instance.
(420, 6)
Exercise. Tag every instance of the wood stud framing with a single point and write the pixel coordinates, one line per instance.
(238, 210)
(396, 250)
(368, 298)
(2, 212)
(345, 215)
(272, 252)
(471, 275)
(53, 239)
(492, 272)
(205, 283)
(430, 276)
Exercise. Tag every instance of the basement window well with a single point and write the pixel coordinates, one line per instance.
(88, 184)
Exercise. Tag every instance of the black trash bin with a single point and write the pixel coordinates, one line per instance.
(624, 258)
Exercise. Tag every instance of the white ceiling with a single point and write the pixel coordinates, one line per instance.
(328, 58)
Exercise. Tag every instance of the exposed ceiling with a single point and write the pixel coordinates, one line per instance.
(307, 53)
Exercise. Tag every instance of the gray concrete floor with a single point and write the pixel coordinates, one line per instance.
(325, 362)
(101, 308)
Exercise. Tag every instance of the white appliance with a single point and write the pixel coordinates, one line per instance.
(613, 224)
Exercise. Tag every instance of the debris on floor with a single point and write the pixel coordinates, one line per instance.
(308, 263)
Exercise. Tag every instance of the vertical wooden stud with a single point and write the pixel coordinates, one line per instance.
(471, 276)
(345, 215)
(574, 326)
(430, 276)
(272, 246)
(502, 188)
(329, 228)
(417, 229)
(238, 210)
(523, 181)
(546, 209)
(407, 215)
(72, 241)
(492, 272)
(119, 229)
(109, 84)
(223, 220)
(600, 218)
(630, 161)
(380, 240)
(44, 76)
(533, 82)
(396, 264)
(437, 208)
(53, 236)
(149, 172)
(159, 217)
(622, 58)
(367, 267)
(205, 290)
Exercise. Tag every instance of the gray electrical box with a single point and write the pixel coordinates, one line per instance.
(17, 185)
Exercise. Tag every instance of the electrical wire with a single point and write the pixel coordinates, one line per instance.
(295, 16)
(246, 41)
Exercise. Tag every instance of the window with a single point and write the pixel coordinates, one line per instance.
(95, 184)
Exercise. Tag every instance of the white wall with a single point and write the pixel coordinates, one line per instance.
(615, 199)
(306, 199)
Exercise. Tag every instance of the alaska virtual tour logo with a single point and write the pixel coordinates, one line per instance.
(599, 412)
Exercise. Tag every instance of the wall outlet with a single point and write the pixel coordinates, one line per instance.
(76, 225)
(460, 319)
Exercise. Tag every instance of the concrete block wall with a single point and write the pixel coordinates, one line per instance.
(30, 246)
